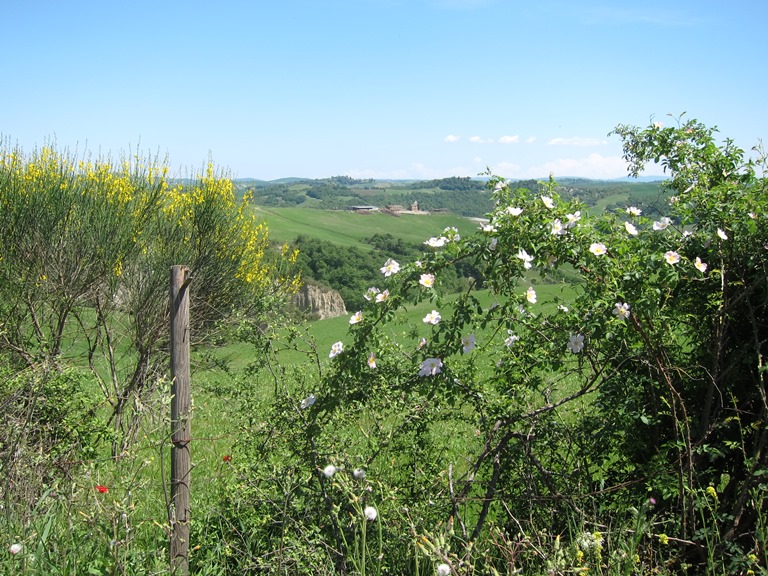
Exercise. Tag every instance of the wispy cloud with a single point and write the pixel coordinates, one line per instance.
(451, 138)
(576, 141)
(480, 140)
(530, 140)
(592, 166)
(509, 139)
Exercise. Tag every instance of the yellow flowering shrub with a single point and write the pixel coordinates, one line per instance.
(84, 237)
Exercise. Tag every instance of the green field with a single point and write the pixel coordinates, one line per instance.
(350, 228)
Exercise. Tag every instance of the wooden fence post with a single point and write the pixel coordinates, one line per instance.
(179, 514)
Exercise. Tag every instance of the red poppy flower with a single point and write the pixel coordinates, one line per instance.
(102, 489)
(227, 458)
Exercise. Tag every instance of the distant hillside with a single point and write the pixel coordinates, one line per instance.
(344, 249)
(461, 196)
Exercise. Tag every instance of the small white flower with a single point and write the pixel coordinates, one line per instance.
(722, 235)
(492, 245)
(513, 210)
(436, 242)
(511, 338)
(671, 257)
(562, 308)
(370, 513)
(372, 360)
(752, 215)
(382, 296)
(370, 294)
(451, 234)
(633, 211)
(525, 257)
(443, 570)
(662, 224)
(430, 367)
(329, 470)
(598, 248)
(700, 266)
(572, 219)
(356, 317)
(557, 228)
(358, 474)
(530, 295)
(576, 343)
(548, 202)
(427, 280)
(488, 228)
(432, 318)
(308, 401)
(421, 344)
(500, 185)
(14, 548)
(621, 310)
(468, 343)
(336, 349)
(390, 267)
(658, 125)
(630, 228)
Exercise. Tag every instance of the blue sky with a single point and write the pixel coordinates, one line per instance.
(378, 88)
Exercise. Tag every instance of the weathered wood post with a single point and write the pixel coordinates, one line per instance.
(179, 514)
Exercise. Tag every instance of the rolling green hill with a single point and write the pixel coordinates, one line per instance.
(351, 228)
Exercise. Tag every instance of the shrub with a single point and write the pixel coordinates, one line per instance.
(627, 406)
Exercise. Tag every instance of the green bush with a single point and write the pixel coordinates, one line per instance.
(615, 427)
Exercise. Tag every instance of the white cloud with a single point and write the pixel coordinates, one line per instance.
(451, 138)
(576, 141)
(509, 139)
(530, 140)
(475, 139)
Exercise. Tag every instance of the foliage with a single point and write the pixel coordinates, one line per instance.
(50, 424)
(462, 196)
(613, 425)
(617, 429)
(352, 270)
(85, 251)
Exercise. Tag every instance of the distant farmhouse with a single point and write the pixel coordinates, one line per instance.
(390, 209)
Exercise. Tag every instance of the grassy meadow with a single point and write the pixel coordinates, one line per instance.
(546, 431)
(350, 228)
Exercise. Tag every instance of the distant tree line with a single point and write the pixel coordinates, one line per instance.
(459, 195)
(452, 183)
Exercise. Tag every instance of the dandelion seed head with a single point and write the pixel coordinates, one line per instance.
(370, 513)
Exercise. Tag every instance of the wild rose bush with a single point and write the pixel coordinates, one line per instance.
(631, 406)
